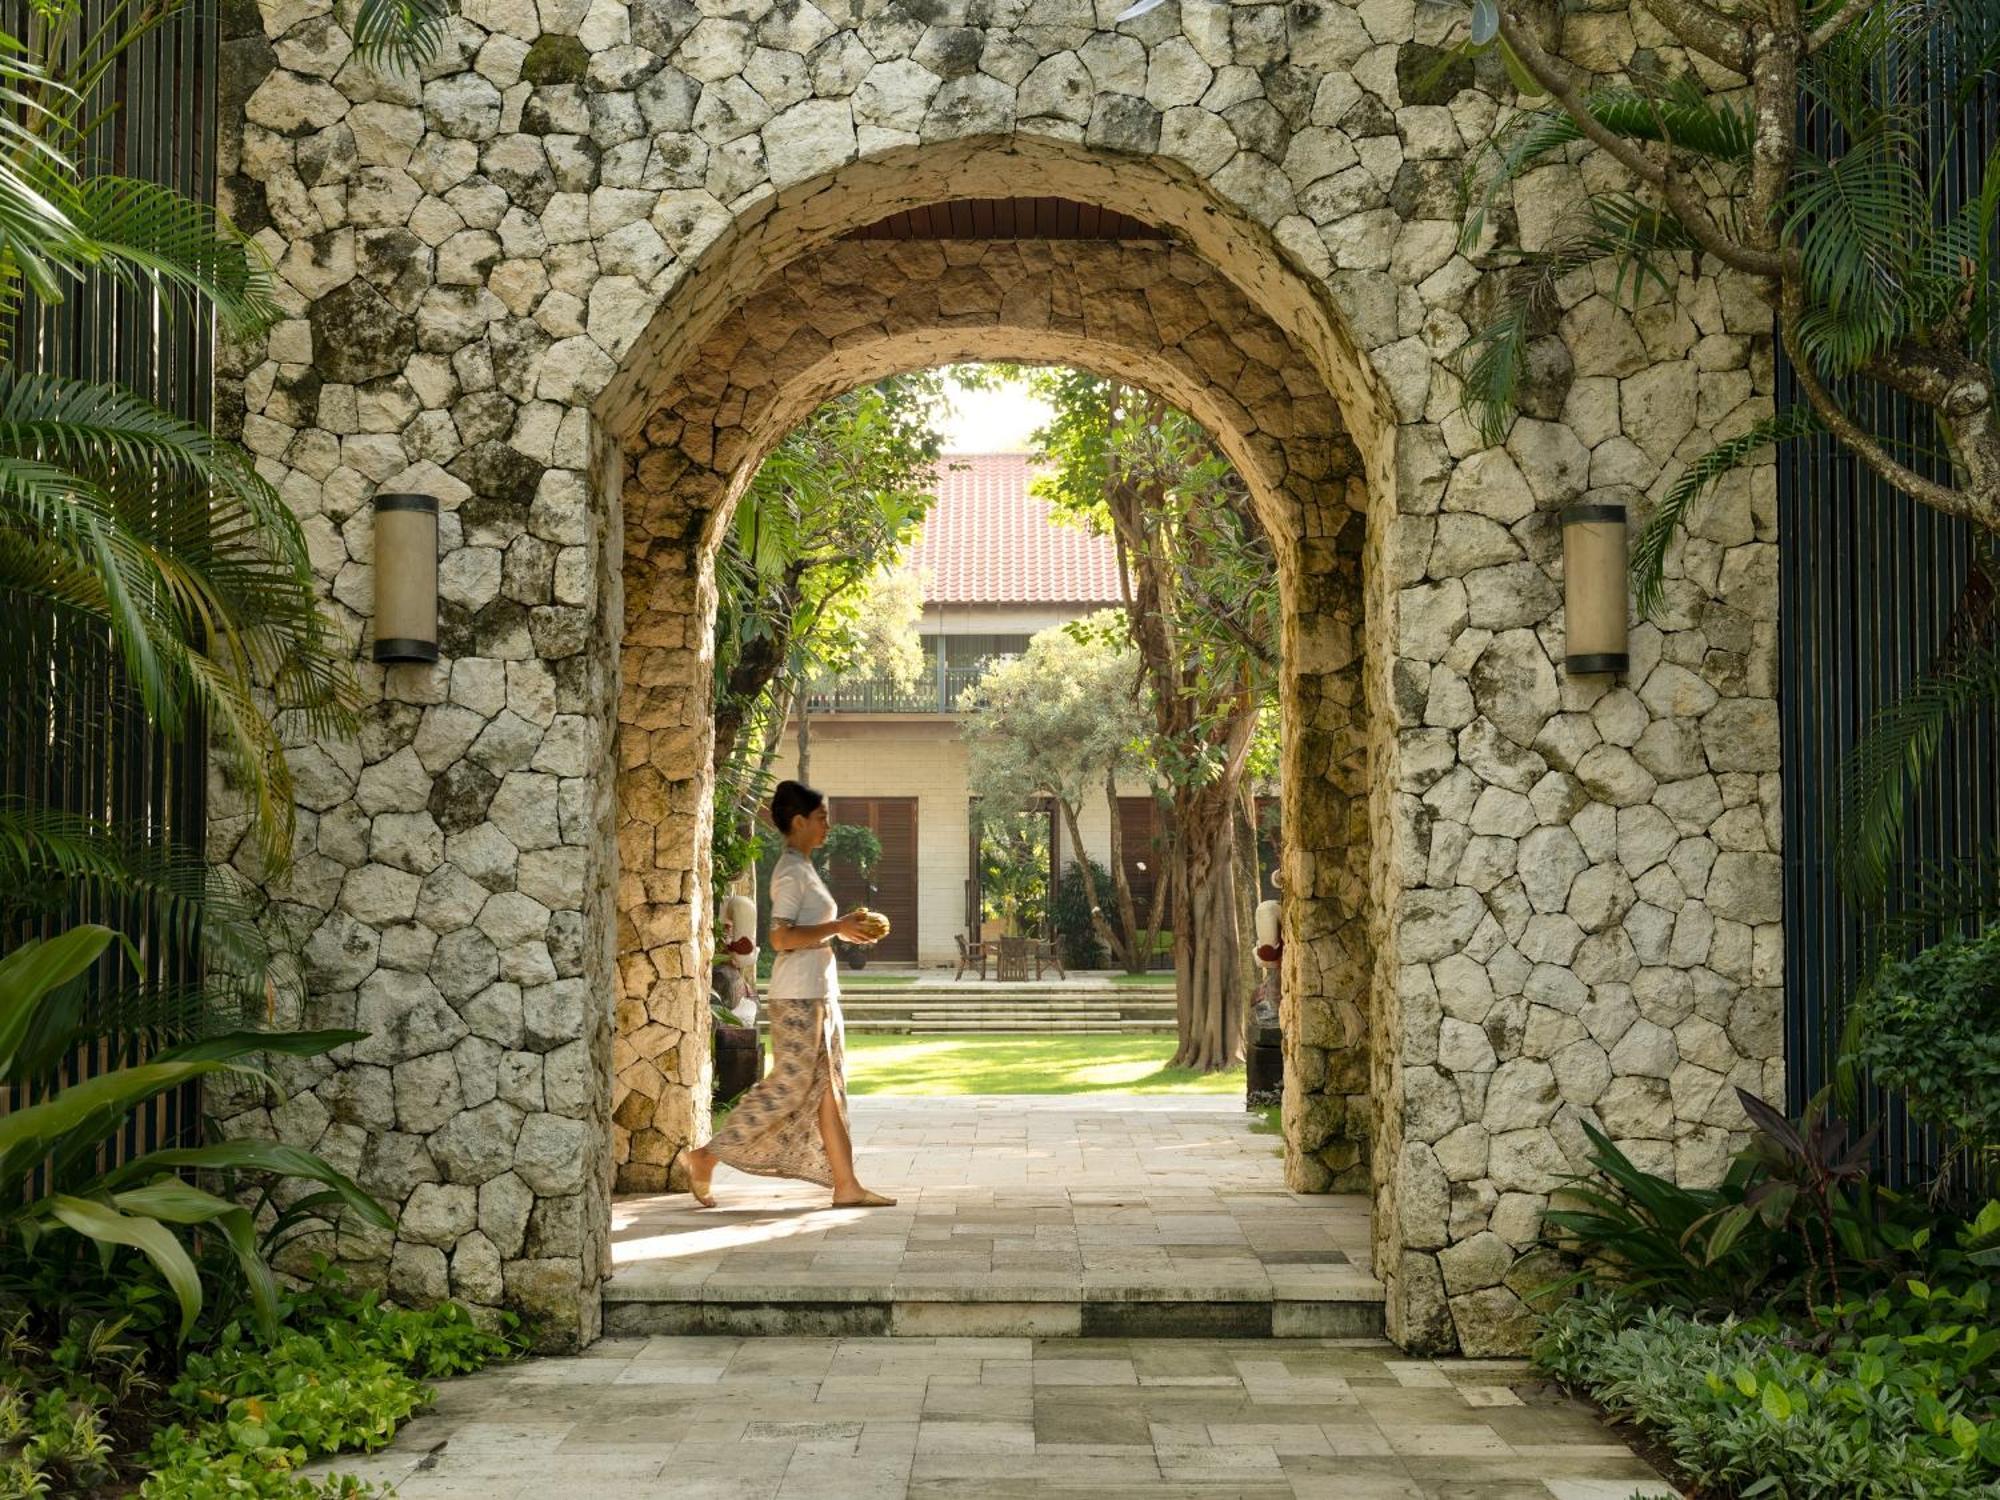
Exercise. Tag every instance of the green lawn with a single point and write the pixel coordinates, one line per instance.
(879, 1063)
(1162, 980)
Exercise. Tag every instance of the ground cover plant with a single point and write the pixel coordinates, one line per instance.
(145, 1339)
(884, 1063)
(93, 1403)
(1797, 1331)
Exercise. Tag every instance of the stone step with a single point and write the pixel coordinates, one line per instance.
(1022, 1012)
(976, 1012)
(1014, 1028)
(1345, 1305)
(1027, 1005)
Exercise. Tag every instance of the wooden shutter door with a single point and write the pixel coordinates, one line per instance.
(894, 821)
(1138, 833)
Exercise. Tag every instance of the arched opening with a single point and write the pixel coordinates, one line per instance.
(1149, 312)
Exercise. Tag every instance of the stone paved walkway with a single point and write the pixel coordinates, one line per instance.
(708, 1418)
(1053, 1204)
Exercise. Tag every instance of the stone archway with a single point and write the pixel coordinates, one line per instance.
(489, 275)
(1149, 312)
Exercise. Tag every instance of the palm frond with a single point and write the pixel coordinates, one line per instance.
(39, 239)
(204, 575)
(1939, 896)
(1856, 220)
(1649, 553)
(1883, 772)
(400, 33)
(1492, 363)
(1680, 116)
(51, 859)
(152, 233)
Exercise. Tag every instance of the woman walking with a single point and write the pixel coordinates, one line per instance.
(794, 1122)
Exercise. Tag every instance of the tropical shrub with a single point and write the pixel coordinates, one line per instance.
(1884, 276)
(1701, 1318)
(255, 1410)
(1795, 1221)
(1928, 1026)
(1900, 1401)
(83, 1410)
(52, 1185)
(854, 845)
(1081, 948)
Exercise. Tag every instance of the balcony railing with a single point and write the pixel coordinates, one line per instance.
(937, 692)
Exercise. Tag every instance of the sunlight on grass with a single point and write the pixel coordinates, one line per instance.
(934, 1065)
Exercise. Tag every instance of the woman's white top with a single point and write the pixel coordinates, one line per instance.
(800, 897)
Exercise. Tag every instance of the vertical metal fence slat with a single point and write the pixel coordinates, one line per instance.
(1868, 580)
(150, 785)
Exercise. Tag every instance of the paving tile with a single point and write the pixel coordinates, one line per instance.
(1172, 1205)
(1607, 1489)
(941, 1436)
(734, 1372)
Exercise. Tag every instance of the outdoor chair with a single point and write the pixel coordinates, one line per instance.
(1049, 954)
(968, 955)
(1016, 953)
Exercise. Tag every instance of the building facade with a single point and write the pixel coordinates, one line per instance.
(996, 571)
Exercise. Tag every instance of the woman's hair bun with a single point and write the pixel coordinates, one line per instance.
(793, 799)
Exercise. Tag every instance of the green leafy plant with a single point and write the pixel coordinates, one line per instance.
(1896, 1400)
(1883, 777)
(1794, 1220)
(238, 1416)
(51, 1182)
(1691, 1246)
(854, 845)
(1928, 1026)
(1801, 1175)
(1081, 948)
(1014, 867)
(1877, 278)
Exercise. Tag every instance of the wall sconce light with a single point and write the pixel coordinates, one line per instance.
(1594, 573)
(406, 578)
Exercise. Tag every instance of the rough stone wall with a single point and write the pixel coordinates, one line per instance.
(1146, 312)
(493, 275)
(1589, 926)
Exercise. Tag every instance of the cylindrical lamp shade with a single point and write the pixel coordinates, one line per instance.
(1594, 591)
(406, 578)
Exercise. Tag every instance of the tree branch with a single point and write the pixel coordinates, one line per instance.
(1556, 78)
(1218, 614)
(1864, 444)
(1680, 197)
(1836, 23)
(1708, 32)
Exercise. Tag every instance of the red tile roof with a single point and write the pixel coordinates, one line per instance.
(988, 541)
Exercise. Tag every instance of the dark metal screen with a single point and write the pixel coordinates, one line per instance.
(77, 739)
(1869, 581)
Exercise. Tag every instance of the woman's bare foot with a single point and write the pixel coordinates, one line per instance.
(701, 1168)
(862, 1198)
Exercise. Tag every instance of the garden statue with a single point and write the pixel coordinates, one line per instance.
(1264, 1057)
(739, 944)
(1270, 952)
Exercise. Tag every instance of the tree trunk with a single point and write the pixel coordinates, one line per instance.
(1207, 934)
(1249, 891)
(1134, 953)
(756, 668)
(1099, 923)
(802, 706)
